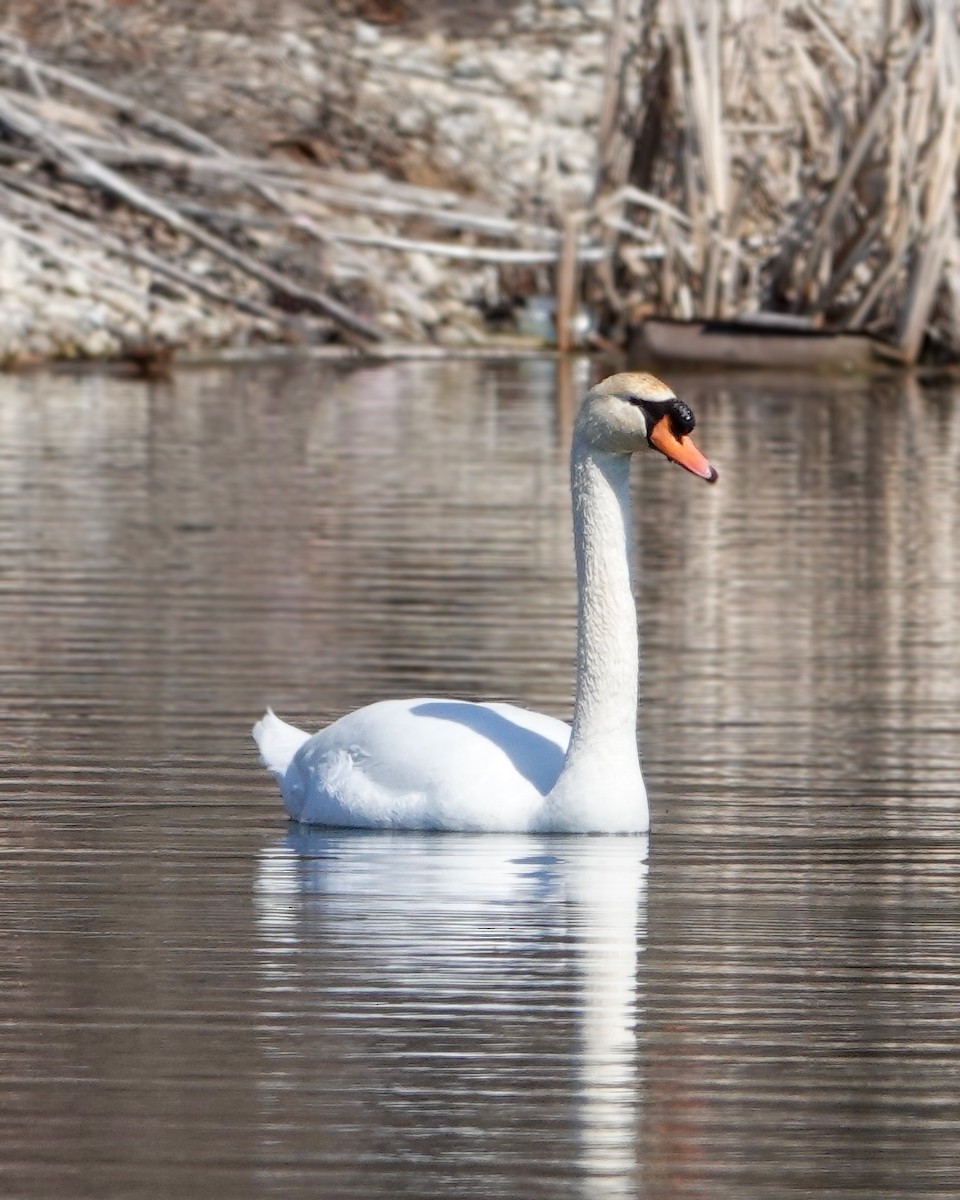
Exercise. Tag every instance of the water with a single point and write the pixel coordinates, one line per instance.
(196, 1000)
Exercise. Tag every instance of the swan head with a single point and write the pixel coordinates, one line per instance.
(627, 412)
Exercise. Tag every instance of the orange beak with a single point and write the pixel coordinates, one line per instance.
(681, 451)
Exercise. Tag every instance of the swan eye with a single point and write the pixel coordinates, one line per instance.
(679, 414)
(681, 418)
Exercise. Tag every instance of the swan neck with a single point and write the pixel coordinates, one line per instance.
(600, 787)
(605, 707)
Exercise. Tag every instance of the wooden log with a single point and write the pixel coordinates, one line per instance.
(751, 344)
(490, 225)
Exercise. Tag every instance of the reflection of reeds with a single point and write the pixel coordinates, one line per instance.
(812, 149)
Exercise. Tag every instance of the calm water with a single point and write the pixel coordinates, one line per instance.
(198, 1001)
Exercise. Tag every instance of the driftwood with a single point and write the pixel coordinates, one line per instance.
(18, 56)
(52, 250)
(32, 201)
(490, 254)
(106, 142)
(96, 173)
(232, 170)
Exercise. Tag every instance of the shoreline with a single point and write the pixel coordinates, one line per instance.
(812, 378)
(129, 230)
(369, 178)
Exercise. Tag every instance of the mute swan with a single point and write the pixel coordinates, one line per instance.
(450, 764)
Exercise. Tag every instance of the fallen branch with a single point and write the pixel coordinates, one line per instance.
(165, 126)
(45, 210)
(40, 133)
(249, 171)
(488, 254)
(140, 114)
(48, 248)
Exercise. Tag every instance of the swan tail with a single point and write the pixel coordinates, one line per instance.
(277, 742)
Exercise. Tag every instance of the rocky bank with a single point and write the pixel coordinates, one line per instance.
(409, 168)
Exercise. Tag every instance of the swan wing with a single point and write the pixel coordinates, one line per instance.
(427, 764)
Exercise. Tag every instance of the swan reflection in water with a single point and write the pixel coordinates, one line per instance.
(461, 1004)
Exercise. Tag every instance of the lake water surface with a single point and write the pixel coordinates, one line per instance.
(761, 1000)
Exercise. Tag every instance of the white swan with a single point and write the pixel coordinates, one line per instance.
(451, 764)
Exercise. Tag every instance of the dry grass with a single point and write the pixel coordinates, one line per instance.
(796, 157)
(811, 161)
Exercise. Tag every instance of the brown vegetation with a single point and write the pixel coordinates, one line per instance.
(785, 158)
(796, 158)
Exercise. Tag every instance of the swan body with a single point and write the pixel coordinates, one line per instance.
(478, 767)
(430, 763)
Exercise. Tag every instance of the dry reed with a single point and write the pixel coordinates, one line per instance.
(813, 153)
